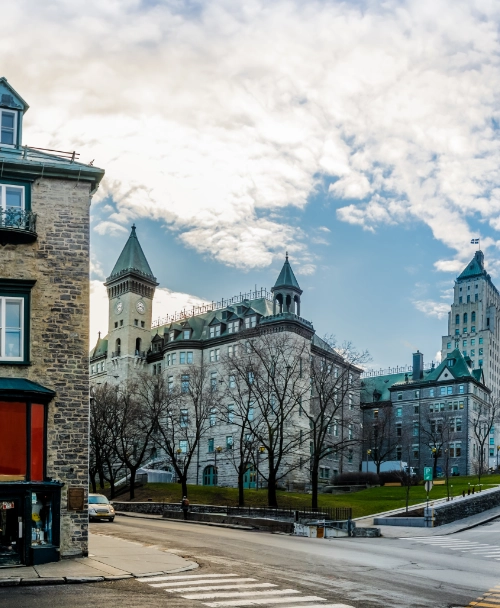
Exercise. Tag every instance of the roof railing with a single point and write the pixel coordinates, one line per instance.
(399, 369)
(213, 306)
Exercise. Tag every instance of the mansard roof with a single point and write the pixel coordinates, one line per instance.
(287, 278)
(132, 259)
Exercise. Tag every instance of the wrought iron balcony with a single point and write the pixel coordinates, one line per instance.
(17, 226)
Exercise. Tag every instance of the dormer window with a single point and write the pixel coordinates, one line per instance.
(8, 127)
(233, 327)
(171, 336)
(250, 322)
(186, 334)
(451, 362)
(215, 331)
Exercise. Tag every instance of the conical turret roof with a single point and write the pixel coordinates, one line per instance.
(132, 259)
(286, 277)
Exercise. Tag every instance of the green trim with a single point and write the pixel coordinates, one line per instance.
(23, 183)
(20, 289)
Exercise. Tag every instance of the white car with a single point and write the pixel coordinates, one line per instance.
(99, 508)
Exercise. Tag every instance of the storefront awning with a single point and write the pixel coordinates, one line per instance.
(20, 387)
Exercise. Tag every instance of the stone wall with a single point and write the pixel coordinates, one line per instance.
(59, 262)
(465, 507)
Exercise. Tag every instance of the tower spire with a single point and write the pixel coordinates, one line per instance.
(286, 291)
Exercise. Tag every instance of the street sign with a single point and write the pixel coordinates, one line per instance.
(427, 473)
(428, 486)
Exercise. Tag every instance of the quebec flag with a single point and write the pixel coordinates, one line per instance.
(475, 242)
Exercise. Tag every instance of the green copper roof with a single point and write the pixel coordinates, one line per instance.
(132, 258)
(100, 349)
(379, 385)
(459, 369)
(16, 385)
(474, 268)
(286, 277)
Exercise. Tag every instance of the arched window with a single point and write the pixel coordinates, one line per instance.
(137, 346)
(279, 300)
(209, 476)
(117, 347)
(288, 302)
(473, 317)
(457, 319)
(465, 317)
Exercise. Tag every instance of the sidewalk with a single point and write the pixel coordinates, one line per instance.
(452, 528)
(109, 559)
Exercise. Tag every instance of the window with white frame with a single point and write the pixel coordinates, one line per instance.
(213, 381)
(186, 334)
(233, 327)
(185, 383)
(174, 358)
(171, 336)
(250, 412)
(182, 358)
(229, 442)
(230, 350)
(212, 418)
(184, 419)
(183, 446)
(170, 383)
(12, 203)
(230, 413)
(215, 331)
(250, 322)
(12, 328)
(214, 355)
(8, 127)
(189, 356)
(455, 449)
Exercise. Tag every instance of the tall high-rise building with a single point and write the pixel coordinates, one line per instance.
(473, 322)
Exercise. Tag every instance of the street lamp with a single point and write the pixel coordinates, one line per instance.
(217, 450)
(498, 452)
(260, 450)
(368, 454)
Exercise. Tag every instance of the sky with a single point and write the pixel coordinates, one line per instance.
(361, 137)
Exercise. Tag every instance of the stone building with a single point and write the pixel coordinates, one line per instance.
(474, 322)
(409, 414)
(44, 318)
(207, 336)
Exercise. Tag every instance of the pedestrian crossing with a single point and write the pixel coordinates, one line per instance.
(474, 548)
(230, 590)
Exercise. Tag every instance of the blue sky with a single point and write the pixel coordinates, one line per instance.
(362, 137)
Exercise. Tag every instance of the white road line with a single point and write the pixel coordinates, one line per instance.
(220, 587)
(325, 606)
(236, 595)
(264, 601)
(182, 577)
(204, 582)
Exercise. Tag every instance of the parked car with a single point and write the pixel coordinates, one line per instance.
(100, 508)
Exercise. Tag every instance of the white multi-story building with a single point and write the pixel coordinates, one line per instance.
(207, 336)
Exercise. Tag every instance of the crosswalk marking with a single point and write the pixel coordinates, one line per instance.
(263, 601)
(182, 577)
(220, 587)
(237, 594)
(204, 581)
(464, 546)
(229, 590)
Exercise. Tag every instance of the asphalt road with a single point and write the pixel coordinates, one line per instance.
(360, 573)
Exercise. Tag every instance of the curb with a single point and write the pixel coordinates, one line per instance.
(187, 521)
(78, 580)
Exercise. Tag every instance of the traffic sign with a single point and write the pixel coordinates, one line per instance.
(428, 486)
(427, 473)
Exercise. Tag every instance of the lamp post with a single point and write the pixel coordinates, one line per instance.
(368, 454)
(260, 450)
(498, 452)
(218, 450)
(178, 451)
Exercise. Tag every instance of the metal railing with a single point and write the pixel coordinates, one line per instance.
(18, 219)
(212, 306)
(330, 513)
(399, 369)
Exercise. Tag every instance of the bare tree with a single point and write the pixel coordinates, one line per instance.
(483, 417)
(436, 433)
(335, 384)
(273, 370)
(379, 434)
(185, 416)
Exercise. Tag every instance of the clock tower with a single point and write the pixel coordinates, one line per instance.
(131, 287)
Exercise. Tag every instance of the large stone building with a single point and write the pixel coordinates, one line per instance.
(474, 322)
(44, 317)
(415, 416)
(207, 336)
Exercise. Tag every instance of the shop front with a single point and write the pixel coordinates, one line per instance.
(30, 502)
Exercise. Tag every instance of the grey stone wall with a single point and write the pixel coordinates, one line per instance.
(59, 261)
(465, 507)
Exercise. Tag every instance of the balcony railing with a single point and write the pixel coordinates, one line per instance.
(17, 226)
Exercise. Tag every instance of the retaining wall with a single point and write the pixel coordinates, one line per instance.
(460, 508)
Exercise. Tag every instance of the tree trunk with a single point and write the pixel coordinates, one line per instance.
(184, 486)
(112, 487)
(434, 466)
(241, 480)
(132, 483)
(272, 497)
(314, 483)
(101, 478)
(93, 483)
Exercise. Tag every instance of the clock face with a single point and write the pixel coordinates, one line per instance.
(119, 307)
(141, 308)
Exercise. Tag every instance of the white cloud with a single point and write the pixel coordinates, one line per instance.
(207, 118)
(166, 302)
(432, 309)
(111, 228)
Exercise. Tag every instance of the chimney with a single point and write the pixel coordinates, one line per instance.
(418, 365)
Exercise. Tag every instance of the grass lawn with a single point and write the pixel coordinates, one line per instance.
(365, 502)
